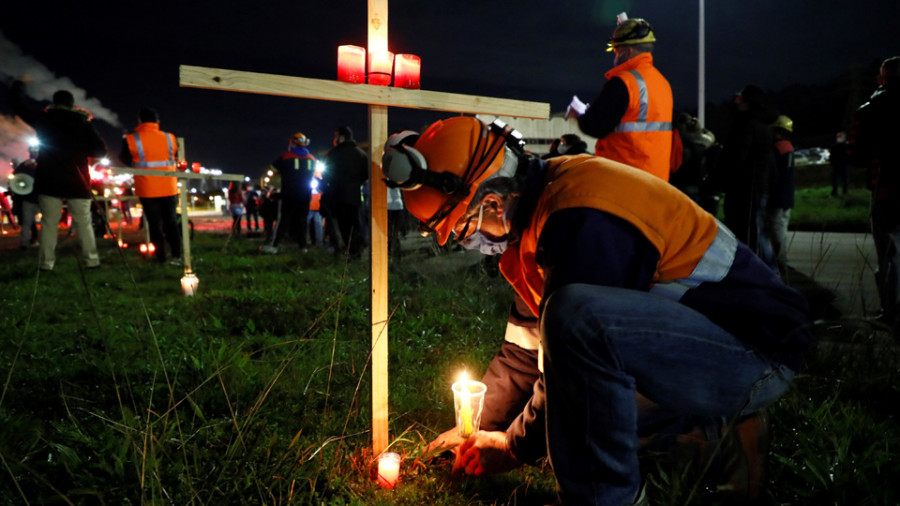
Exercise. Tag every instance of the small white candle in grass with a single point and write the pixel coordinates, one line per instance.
(388, 469)
(189, 284)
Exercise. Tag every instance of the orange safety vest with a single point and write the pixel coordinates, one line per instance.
(692, 247)
(643, 138)
(316, 201)
(152, 148)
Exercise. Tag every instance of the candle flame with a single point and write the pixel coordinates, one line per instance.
(463, 377)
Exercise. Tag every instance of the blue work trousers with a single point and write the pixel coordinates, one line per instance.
(601, 344)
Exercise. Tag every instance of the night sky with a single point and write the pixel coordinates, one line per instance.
(125, 55)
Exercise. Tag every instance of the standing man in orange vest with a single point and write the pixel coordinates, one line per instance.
(148, 147)
(632, 116)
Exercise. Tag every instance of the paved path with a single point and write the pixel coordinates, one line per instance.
(843, 263)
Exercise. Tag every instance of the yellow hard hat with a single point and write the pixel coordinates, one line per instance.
(630, 32)
(785, 123)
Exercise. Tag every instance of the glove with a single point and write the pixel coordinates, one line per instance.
(576, 108)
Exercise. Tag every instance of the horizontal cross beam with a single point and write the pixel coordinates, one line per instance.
(175, 174)
(321, 89)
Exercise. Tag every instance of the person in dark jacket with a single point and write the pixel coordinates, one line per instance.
(68, 139)
(873, 145)
(781, 195)
(840, 164)
(572, 144)
(268, 209)
(692, 177)
(346, 169)
(251, 206)
(26, 205)
(746, 164)
(295, 166)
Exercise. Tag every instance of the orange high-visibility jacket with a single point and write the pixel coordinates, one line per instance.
(692, 246)
(643, 138)
(152, 148)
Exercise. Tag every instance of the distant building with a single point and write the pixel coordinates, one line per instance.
(539, 133)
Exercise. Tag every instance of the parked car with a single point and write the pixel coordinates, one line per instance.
(811, 156)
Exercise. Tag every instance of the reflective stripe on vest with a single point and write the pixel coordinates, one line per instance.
(713, 266)
(641, 125)
(142, 162)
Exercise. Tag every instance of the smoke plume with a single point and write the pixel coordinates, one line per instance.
(43, 82)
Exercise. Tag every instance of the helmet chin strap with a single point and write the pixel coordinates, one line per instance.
(484, 155)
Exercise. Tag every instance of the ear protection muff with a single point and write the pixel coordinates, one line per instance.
(401, 162)
(406, 168)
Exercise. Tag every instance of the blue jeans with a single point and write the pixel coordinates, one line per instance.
(601, 344)
(314, 218)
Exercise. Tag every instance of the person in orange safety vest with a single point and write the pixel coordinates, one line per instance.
(624, 286)
(148, 147)
(632, 116)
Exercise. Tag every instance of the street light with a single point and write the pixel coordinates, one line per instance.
(701, 67)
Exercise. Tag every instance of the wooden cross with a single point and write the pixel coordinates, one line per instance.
(378, 98)
(185, 226)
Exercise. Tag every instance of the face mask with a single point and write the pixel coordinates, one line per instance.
(562, 148)
(478, 241)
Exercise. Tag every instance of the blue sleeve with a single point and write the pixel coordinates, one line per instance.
(583, 245)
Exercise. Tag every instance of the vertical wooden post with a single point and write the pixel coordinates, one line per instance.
(185, 228)
(378, 15)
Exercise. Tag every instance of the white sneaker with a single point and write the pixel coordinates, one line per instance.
(268, 249)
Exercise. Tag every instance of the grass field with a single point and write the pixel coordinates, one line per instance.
(119, 390)
(815, 209)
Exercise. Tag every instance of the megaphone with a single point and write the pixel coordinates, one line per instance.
(21, 184)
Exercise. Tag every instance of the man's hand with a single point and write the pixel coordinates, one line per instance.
(576, 108)
(449, 440)
(485, 453)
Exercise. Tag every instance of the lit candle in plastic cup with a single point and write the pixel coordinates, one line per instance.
(351, 64)
(407, 68)
(381, 65)
(468, 404)
(388, 469)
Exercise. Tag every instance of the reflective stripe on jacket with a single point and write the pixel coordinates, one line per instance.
(692, 246)
(152, 148)
(643, 138)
